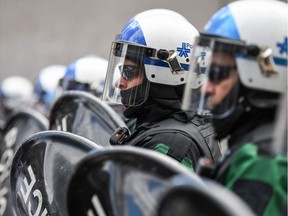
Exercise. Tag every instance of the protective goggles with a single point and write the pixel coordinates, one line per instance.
(129, 71)
(218, 73)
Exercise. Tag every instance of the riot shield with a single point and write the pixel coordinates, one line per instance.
(41, 170)
(19, 126)
(1, 125)
(122, 181)
(86, 115)
(185, 198)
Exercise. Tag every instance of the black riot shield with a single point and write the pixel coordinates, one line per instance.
(18, 127)
(1, 125)
(122, 181)
(185, 198)
(41, 170)
(86, 115)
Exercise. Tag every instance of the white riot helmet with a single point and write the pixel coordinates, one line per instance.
(15, 92)
(154, 47)
(86, 74)
(45, 87)
(245, 43)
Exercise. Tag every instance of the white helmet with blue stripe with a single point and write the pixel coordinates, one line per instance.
(254, 33)
(269, 30)
(45, 87)
(85, 74)
(158, 42)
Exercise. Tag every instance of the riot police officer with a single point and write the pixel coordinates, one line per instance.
(147, 73)
(244, 73)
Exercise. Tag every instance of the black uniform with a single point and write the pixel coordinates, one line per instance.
(250, 167)
(180, 137)
(163, 127)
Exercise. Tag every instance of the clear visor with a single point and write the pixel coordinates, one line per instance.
(126, 81)
(212, 83)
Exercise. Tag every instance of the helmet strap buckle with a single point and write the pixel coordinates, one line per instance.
(171, 58)
(266, 62)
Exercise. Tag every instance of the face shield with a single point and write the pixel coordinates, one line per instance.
(212, 82)
(126, 81)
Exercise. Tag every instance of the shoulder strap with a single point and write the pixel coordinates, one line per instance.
(205, 128)
(197, 131)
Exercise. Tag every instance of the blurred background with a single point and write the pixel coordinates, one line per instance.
(38, 33)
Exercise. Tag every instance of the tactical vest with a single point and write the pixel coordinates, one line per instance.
(262, 137)
(255, 173)
(199, 129)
